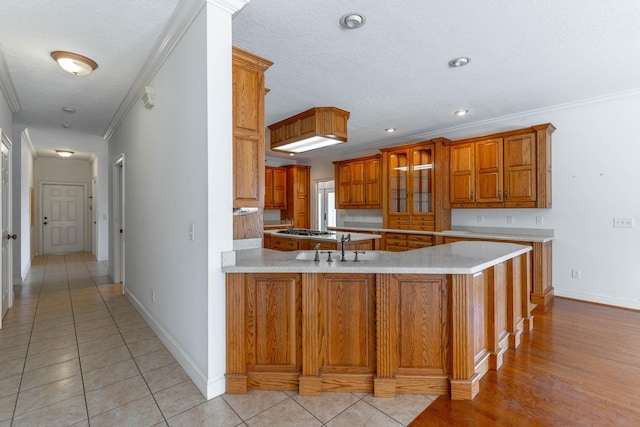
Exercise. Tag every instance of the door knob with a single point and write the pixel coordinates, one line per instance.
(45, 223)
(12, 236)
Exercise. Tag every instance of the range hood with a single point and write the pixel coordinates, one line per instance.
(315, 128)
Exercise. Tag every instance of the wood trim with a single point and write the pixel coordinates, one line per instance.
(386, 336)
(310, 382)
(236, 362)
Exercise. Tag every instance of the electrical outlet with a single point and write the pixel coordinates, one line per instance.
(575, 274)
(623, 222)
(539, 220)
(153, 295)
(510, 219)
(480, 218)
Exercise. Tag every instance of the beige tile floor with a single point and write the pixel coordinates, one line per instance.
(74, 351)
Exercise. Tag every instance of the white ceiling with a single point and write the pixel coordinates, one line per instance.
(392, 72)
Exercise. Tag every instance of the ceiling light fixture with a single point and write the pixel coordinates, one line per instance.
(65, 154)
(352, 20)
(315, 128)
(73, 63)
(459, 62)
(68, 109)
(460, 112)
(390, 130)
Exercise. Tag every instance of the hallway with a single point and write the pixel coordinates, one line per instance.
(74, 351)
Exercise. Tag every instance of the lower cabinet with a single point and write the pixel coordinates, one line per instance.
(282, 243)
(541, 261)
(399, 242)
(379, 333)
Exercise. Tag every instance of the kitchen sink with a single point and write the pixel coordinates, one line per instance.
(335, 255)
(304, 232)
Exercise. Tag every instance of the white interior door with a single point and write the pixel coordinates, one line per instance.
(118, 221)
(7, 235)
(62, 218)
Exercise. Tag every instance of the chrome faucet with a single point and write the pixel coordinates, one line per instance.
(342, 240)
(317, 257)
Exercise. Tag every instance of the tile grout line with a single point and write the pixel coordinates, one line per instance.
(24, 363)
(164, 418)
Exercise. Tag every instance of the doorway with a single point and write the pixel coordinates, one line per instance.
(118, 220)
(62, 218)
(325, 204)
(7, 234)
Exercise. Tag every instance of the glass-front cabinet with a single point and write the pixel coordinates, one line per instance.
(411, 187)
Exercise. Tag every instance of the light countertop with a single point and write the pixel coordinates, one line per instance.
(493, 233)
(335, 236)
(468, 257)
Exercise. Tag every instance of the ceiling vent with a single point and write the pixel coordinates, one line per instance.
(315, 128)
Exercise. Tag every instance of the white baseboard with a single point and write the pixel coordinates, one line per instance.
(209, 387)
(600, 299)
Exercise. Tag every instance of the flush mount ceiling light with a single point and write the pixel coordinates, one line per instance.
(460, 112)
(68, 109)
(64, 153)
(73, 63)
(459, 62)
(315, 128)
(351, 21)
(390, 130)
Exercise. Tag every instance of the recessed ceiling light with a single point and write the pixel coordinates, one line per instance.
(292, 154)
(352, 20)
(65, 125)
(68, 109)
(459, 62)
(460, 112)
(390, 130)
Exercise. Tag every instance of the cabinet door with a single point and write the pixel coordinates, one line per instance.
(279, 188)
(349, 323)
(372, 183)
(462, 176)
(268, 187)
(273, 322)
(357, 184)
(343, 174)
(422, 180)
(398, 172)
(488, 164)
(520, 170)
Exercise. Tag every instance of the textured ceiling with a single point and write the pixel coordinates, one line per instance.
(390, 73)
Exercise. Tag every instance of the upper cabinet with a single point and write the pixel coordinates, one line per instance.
(415, 196)
(275, 188)
(358, 183)
(506, 170)
(248, 140)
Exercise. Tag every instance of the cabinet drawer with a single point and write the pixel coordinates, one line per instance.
(284, 244)
(420, 238)
(418, 245)
(395, 248)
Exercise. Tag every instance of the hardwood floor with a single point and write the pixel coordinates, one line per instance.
(580, 366)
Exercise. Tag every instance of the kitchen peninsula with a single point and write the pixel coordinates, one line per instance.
(428, 321)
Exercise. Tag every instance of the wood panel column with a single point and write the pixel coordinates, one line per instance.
(542, 291)
(525, 280)
(310, 380)
(464, 382)
(384, 383)
(236, 376)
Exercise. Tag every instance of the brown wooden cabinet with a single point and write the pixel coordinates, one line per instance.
(415, 180)
(358, 183)
(248, 140)
(505, 170)
(400, 242)
(275, 188)
(298, 196)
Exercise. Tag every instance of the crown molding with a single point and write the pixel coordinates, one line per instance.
(6, 85)
(180, 21)
(26, 138)
(230, 6)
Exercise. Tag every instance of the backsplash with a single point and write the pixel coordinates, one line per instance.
(362, 217)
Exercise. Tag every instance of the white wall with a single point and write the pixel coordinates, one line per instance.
(595, 178)
(595, 175)
(27, 230)
(177, 170)
(99, 171)
(5, 117)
